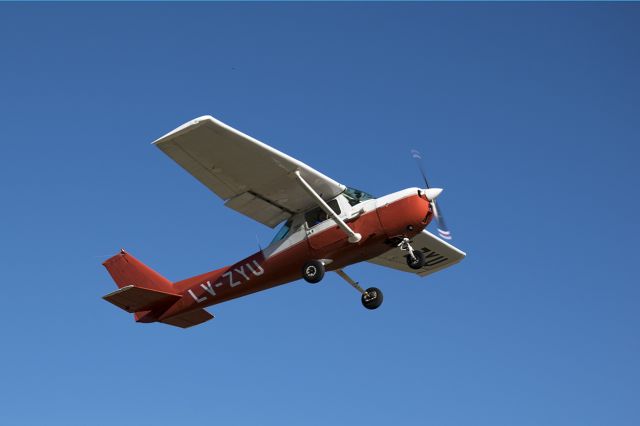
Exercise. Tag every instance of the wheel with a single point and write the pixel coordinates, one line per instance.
(416, 263)
(313, 271)
(372, 298)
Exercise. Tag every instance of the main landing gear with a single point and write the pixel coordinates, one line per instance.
(313, 271)
(415, 258)
(371, 298)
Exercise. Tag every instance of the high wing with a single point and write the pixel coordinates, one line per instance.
(252, 177)
(438, 255)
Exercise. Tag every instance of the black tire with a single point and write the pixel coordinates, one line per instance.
(372, 299)
(416, 263)
(313, 271)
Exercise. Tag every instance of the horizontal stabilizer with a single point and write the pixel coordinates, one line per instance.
(134, 299)
(189, 319)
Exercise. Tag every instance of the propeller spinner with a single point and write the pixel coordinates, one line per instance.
(432, 194)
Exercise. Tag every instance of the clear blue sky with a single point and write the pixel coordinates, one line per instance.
(527, 115)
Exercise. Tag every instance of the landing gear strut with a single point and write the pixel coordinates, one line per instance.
(371, 297)
(415, 258)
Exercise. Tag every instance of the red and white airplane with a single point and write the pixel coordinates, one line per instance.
(327, 227)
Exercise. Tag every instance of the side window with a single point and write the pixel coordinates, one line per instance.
(355, 196)
(334, 206)
(317, 215)
(282, 232)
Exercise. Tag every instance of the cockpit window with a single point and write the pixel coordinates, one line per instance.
(355, 196)
(282, 232)
(317, 215)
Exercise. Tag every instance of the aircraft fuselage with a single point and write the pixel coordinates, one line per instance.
(380, 222)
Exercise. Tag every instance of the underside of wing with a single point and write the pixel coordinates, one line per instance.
(252, 177)
(438, 255)
(189, 319)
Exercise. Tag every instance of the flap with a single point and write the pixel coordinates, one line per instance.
(438, 255)
(258, 209)
(134, 299)
(232, 164)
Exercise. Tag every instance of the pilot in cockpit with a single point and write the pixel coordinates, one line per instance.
(315, 217)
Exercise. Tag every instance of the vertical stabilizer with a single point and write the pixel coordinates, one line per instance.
(126, 270)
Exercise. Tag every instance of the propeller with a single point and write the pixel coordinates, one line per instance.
(432, 194)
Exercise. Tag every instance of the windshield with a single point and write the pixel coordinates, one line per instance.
(355, 196)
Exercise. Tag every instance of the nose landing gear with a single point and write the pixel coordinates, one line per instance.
(415, 258)
(371, 298)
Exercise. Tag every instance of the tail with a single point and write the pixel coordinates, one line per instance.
(145, 293)
(126, 270)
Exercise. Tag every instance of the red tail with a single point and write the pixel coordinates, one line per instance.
(127, 270)
(147, 294)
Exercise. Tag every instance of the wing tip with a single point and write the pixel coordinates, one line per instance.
(189, 124)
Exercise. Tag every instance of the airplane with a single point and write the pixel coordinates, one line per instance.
(324, 226)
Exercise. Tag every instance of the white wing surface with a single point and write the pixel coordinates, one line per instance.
(252, 177)
(438, 255)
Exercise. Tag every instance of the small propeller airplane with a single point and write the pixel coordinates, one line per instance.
(327, 227)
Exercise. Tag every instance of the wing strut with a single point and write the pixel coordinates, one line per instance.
(354, 237)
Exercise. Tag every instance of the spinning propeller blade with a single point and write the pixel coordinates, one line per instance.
(431, 194)
(418, 157)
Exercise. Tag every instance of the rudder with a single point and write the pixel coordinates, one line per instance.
(126, 270)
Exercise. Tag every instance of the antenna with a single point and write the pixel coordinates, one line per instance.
(258, 241)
